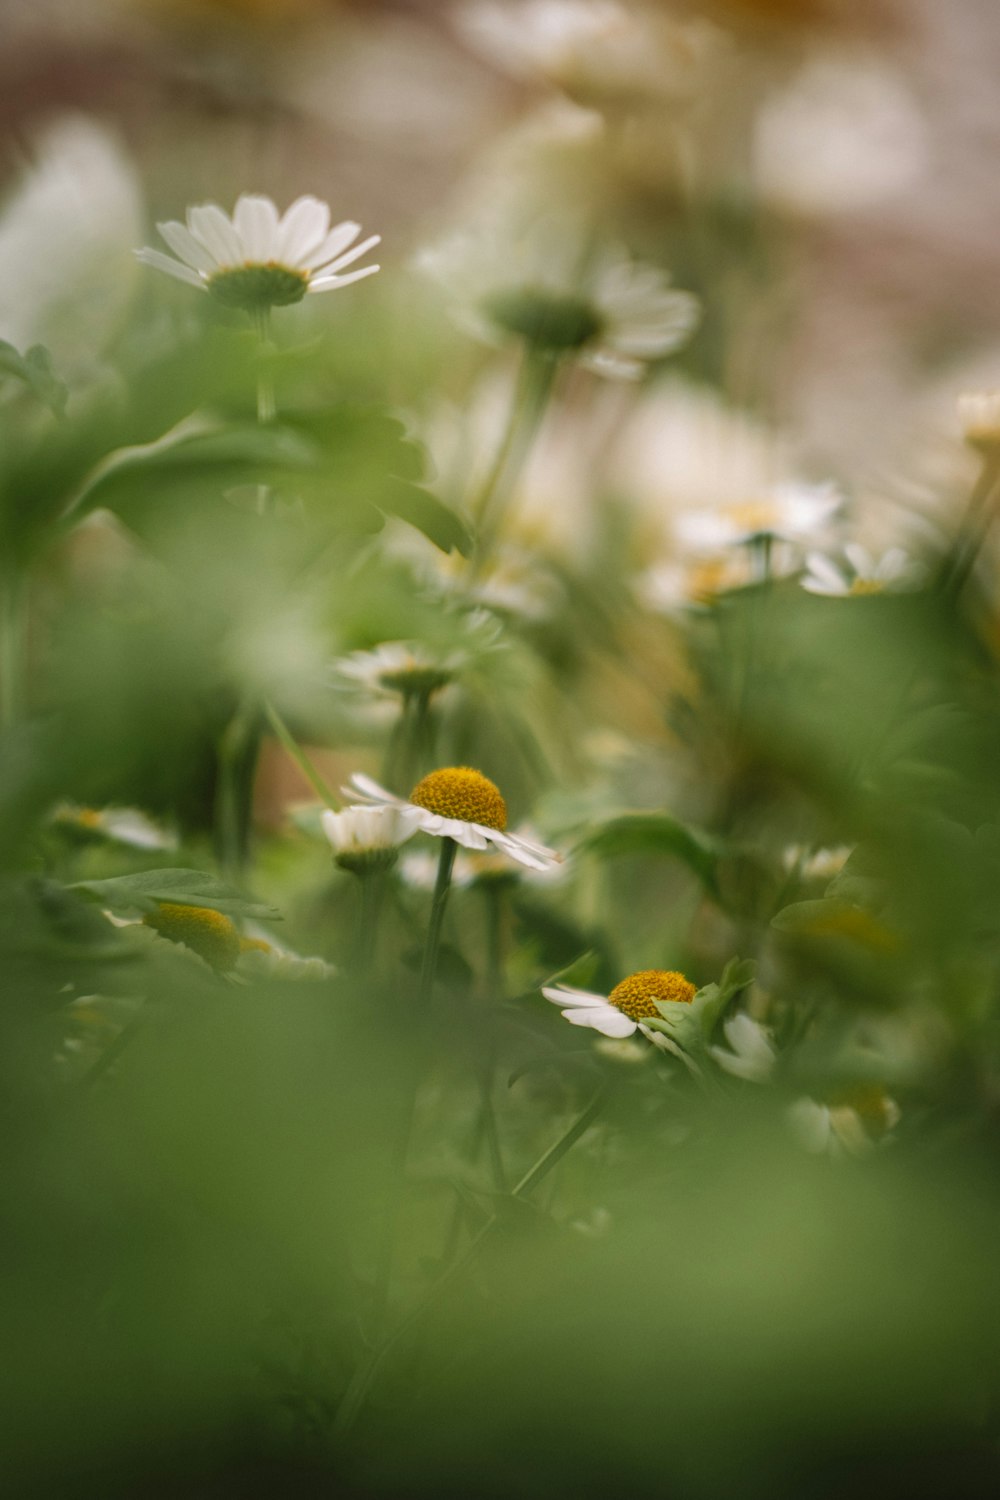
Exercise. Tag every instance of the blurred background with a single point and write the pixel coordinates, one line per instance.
(698, 1300)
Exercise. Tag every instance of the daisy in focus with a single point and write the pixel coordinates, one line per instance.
(457, 803)
(861, 573)
(632, 1001)
(256, 260)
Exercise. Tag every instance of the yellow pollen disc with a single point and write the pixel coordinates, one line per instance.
(254, 945)
(637, 995)
(867, 586)
(206, 932)
(459, 792)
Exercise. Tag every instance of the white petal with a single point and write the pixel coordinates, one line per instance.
(565, 995)
(340, 236)
(608, 1020)
(351, 256)
(371, 789)
(183, 243)
(171, 266)
(256, 221)
(861, 560)
(303, 228)
(469, 835)
(212, 227)
(328, 283)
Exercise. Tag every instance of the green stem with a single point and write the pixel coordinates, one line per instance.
(12, 650)
(266, 406)
(237, 758)
(365, 1375)
(372, 889)
(979, 516)
(401, 1148)
(299, 756)
(534, 387)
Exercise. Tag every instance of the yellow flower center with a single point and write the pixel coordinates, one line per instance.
(459, 792)
(206, 932)
(637, 995)
(254, 945)
(867, 586)
(754, 515)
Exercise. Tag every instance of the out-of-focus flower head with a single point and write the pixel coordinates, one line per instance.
(979, 417)
(366, 840)
(598, 52)
(538, 277)
(114, 825)
(66, 235)
(788, 512)
(258, 260)
(860, 572)
(842, 137)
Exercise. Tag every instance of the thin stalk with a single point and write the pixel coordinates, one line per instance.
(234, 792)
(494, 897)
(372, 890)
(401, 1147)
(266, 406)
(367, 1372)
(300, 757)
(531, 398)
(979, 516)
(12, 649)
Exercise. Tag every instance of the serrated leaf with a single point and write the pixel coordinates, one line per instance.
(657, 833)
(691, 1023)
(146, 888)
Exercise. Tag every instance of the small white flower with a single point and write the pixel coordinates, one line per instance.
(840, 1129)
(531, 282)
(593, 49)
(458, 803)
(815, 864)
(418, 867)
(119, 825)
(749, 1052)
(789, 512)
(366, 838)
(256, 259)
(861, 574)
(621, 1013)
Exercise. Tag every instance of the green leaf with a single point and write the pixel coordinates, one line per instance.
(419, 508)
(692, 1023)
(145, 889)
(35, 369)
(657, 833)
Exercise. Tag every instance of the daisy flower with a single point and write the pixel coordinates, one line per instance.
(622, 1013)
(851, 1125)
(457, 803)
(613, 314)
(118, 825)
(861, 574)
(789, 512)
(256, 260)
(366, 839)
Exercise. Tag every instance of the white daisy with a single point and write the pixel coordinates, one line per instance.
(367, 838)
(418, 867)
(256, 260)
(861, 574)
(839, 1129)
(749, 1052)
(119, 825)
(458, 803)
(621, 1013)
(413, 667)
(530, 282)
(596, 50)
(789, 512)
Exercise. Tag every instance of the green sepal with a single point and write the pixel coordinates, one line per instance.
(692, 1023)
(146, 889)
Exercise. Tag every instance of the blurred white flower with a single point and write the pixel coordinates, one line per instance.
(789, 512)
(118, 825)
(418, 668)
(842, 1129)
(458, 803)
(861, 573)
(596, 50)
(256, 259)
(844, 136)
(816, 864)
(749, 1052)
(66, 233)
(364, 839)
(621, 1013)
(534, 281)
